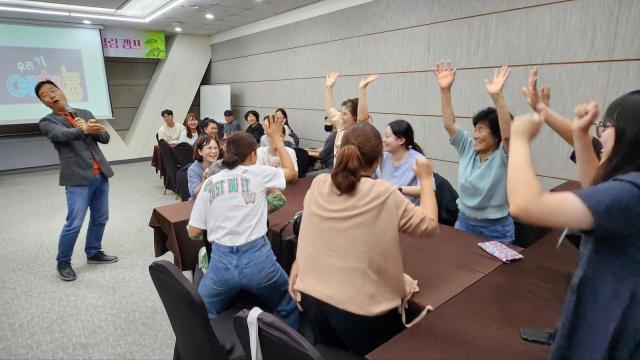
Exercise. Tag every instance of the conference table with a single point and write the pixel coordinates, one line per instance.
(483, 301)
(484, 320)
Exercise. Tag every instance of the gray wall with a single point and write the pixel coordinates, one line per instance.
(587, 50)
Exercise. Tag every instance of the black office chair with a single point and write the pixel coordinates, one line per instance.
(279, 341)
(184, 154)
(170, 166)
(196, 336)
(182, 182)
(446, 197)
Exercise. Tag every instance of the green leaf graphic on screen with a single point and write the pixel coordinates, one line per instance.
(155, 45)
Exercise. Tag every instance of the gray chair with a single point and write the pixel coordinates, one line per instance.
(279, 341)
(196, 336)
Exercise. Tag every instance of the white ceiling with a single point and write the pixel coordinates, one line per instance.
(228, 14)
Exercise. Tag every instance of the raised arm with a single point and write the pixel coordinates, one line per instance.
(446, 74)
(586, 157)
(527, 201)
(330, 82)
(275, 129)
(363, 109)
(494, 88)
(539, 102)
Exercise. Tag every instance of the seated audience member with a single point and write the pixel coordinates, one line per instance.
(269, 156)
(232, 207)
(400, 152)
(281, 114)
(191, 130)
(325, 153)
(210, 127)
(205, 152)
(170, 131)
(230, 124)
(348, 272)
(483, 159)
(352, 111)
(601, 314)
(288, 141)
(539, 102)
(255, 129)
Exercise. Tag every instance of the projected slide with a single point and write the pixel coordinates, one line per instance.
(70, 57)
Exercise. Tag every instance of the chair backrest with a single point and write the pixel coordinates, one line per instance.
(182, 182)
(303, 161)
(446, 197)
(184, 154)
(277, 339)
(169, 162)
(195, 339)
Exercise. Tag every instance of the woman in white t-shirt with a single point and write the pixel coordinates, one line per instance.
(268, 155)
(191, 130)
(232, 207)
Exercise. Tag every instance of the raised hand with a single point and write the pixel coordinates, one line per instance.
(445, 73)
(331, 79)
(536, 100)
(526, 126)
(585, 115)
(500, 76)
(423, 170)
(365, 82)
(274, 129)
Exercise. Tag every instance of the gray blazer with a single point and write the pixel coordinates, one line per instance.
(75, 149)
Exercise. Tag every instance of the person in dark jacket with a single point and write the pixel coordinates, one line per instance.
(255, 128)
(84, 172)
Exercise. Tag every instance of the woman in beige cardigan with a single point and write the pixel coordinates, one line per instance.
(348, 277)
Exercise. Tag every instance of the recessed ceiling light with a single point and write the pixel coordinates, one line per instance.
(86, 22)
(178, 29)
(209, 16)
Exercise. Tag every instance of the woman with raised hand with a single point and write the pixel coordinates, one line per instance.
(400, 152)
(483, 158)
(232, 207)
(539, 102)
(601, 315)
(348, 274)
(351, 112)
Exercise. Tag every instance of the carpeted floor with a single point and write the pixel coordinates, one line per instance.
(111, 311)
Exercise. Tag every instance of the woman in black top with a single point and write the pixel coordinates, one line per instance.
(255, 129)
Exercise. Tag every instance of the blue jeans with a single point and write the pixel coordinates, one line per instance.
(251, 267)
(500, 229)
(94, 197)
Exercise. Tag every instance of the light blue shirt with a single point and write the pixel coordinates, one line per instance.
(401, 175)
(482, 186)
(194, 176)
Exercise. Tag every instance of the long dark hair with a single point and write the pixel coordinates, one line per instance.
(361, 148)
(286, 118)
(403, 130)
(624, 114)
(186, 126)
(239, 146)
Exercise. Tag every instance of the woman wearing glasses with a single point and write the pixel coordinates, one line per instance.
(483, 159)
(601, 315)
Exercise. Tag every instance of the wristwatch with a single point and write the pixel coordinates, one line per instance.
(400, 189)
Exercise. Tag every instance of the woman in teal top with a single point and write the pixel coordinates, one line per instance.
(482, 172)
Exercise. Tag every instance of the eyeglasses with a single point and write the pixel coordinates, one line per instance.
(602, 127)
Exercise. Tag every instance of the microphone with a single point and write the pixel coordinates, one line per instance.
(71, 111)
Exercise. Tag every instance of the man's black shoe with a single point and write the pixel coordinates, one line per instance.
(65, 271)
(101, 258)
